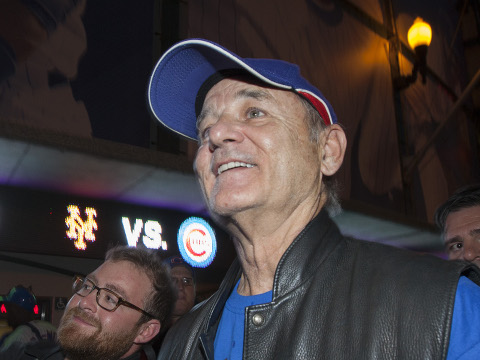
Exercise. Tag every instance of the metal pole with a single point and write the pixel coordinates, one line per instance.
(420, 154)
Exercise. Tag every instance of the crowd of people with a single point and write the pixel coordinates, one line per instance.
(269, 145)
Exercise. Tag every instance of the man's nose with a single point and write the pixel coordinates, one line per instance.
(471, 249)
(225, 130)
(89, 302)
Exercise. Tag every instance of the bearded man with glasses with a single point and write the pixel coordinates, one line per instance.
(115, 312)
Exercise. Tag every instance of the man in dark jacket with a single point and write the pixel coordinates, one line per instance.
(269, 144)
(21, 304)
(114, 312)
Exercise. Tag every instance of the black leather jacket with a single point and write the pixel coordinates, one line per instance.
(336, 298)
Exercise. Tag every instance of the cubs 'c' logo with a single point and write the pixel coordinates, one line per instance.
(196, 242)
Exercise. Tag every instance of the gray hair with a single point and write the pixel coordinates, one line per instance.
(316, 126)
(463, 198)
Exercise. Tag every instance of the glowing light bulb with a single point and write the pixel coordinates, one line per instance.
(420, 33)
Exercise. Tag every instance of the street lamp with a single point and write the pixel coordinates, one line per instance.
(419, 38)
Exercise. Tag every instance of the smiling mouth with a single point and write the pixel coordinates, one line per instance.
(232, 165)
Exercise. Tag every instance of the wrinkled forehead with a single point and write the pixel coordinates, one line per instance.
(462, 224)
(243, 87)
(181, 271)
(463, 217)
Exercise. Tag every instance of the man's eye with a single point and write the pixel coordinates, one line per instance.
(455, 246)
(205, 133)
(187, 281)
(254, 113)
(110, 299)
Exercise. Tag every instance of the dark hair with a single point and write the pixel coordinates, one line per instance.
(17, 315)
(464, 197)
(161, 301)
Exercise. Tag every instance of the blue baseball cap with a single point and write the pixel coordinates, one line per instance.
(176, 260)
(176, 89)
(23, 297)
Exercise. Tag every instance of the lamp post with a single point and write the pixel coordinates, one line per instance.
(419, 38)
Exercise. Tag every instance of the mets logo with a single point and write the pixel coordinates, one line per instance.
(80, 230)
(196, 242)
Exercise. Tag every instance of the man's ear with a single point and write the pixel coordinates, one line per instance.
(147, 331)
(334, 144)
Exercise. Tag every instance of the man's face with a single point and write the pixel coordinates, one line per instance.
(255, 152)
(88, 331)
(186, 293)
(462, 235)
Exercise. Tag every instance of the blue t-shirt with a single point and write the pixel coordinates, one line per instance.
(464, 336)
(229, 339)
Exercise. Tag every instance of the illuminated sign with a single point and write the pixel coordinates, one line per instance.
(78, 229)
(196, 242)
(66, 225)
(153, 233)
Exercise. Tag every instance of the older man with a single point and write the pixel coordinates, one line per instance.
(114, 313)
(268, 146)
(459, 221)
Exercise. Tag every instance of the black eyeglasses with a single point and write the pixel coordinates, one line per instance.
(106, 298)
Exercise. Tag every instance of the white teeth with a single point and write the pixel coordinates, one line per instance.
(231, 165)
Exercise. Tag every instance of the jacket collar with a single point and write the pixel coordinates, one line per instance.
(306, 254)
(300, 261)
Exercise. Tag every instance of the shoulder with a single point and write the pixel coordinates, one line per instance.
(194, 318)
(22, 334)
(13, 352)
(40, 324)
(44, 328)
(44, 349)
(387, 255)
(467, 298)
(465, 332)
(38, 350)
(414, 270)
(183, 337)
(31, 331)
